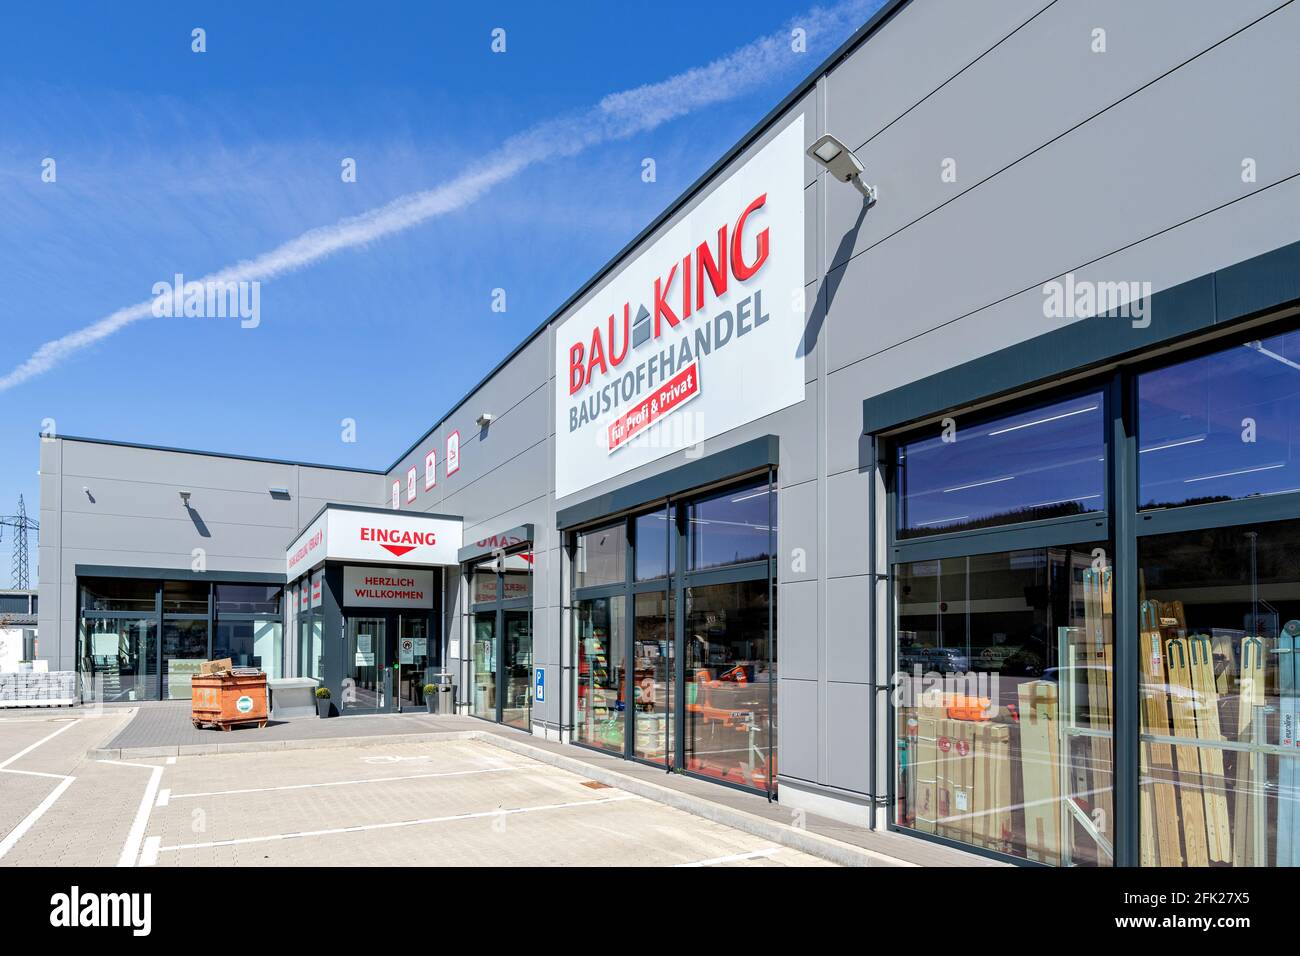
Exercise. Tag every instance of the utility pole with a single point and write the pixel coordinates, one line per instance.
(21, 525)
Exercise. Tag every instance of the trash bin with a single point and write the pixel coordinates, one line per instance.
(444, 693)
(228, 698)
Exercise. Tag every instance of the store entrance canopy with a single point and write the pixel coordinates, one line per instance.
(376, 535)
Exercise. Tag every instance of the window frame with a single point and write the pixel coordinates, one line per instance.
(675, 585)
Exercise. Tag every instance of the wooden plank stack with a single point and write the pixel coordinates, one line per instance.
(1040, 770)
(1250, 696)
(1161, 843)
(1096, 656)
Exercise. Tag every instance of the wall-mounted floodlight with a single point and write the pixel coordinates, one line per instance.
(484, 420)
(279, 492)
(185, 498)
(840, 162)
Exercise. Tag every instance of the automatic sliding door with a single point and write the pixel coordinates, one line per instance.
(364, 647)
(516, 706)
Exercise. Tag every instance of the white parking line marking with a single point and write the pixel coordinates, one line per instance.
(163, 796)
(131, 848)
(339, 783)
(170, 761)
(767, 851)
(391, 826)
(26, 750)
(11, 839)
(149, 855)
(16, 834)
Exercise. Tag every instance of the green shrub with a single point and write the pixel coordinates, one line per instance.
(323, 693)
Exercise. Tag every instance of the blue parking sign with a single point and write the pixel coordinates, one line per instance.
(540, 695)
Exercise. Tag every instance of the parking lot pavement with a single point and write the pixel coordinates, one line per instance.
(449, 803)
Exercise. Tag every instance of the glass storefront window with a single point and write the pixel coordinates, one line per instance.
(185, 597)
(601, 639)
(653, 556)
(250, 643)
(118, 594)
(652, 675)
(1220, 427)
(517, 576)
(184, 649)
(1004, 735)
(730, 676)
(601, 557)
(1047, 462)
(483, 702)
(122, 655)
(248, 598)
(1219, 642)
(733, 527)
(516, 708)
(483, 583)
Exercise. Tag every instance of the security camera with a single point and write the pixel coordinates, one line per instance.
(185, 498)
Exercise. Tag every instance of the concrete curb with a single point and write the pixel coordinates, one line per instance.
(266, 746)
(814, 844)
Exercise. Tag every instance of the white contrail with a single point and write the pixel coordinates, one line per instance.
(617, 116)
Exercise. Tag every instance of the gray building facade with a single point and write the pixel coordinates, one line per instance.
(1076, 199)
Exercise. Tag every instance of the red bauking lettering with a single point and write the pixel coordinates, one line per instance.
(675, 392)
(586, 356)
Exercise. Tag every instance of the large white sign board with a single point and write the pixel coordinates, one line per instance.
(387, 587)
(344, 534)
(700, 333)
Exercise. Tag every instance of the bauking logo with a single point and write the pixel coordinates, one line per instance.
(74, 909)
(676, 296)
(396, 542)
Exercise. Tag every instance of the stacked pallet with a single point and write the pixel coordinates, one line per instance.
(38, 688)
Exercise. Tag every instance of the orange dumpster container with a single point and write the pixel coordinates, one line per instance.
(228, 699)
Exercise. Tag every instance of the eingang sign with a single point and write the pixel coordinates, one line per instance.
(374, 534)
(700, 333)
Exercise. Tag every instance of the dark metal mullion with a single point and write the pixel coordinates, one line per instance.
(629, 637)
(158, 652)
(771, 632)
(677, 519)
(1125, 615)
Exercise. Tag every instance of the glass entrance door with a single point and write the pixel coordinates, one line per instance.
(365, 657)
(483, 702)
(413, 668)
(516, 706)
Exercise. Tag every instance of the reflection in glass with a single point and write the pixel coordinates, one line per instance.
(1220, 615)
(249, 644)
(249, 598)
(483, 701)
(652, 688)
(185, 597)
(517, 576)
(730, 528)
(516, 709)
(123, 654)
(184, 649)
(1221, 426)
(1004, 735)
(653, 558)
(601, 557)
(730, 700)
(363, 662)
(118, 594)
(1047, 462)
(601, 638)
(413, 660)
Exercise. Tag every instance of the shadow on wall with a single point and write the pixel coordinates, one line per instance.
(199, 525)
(830, 284)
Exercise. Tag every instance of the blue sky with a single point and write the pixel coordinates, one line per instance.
(171, 161)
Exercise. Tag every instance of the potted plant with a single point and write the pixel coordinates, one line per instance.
(430, 702)
(322, 702)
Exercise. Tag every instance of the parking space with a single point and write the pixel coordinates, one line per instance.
(445, 803)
